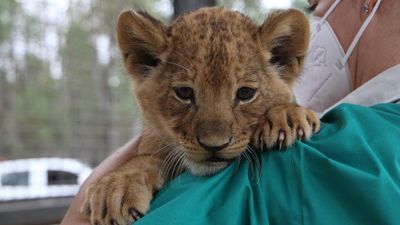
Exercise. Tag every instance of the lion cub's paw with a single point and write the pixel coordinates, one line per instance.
(118, 199)
(284, 124)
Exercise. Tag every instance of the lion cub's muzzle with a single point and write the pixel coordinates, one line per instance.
(214, 147)
(211, 154)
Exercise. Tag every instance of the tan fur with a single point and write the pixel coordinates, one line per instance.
(215, 52)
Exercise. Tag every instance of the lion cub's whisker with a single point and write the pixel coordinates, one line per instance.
(165, 168)
(248, 158)
(178, 65)
(178, 163)
(160, 150)
(256, 157)
(170, 162)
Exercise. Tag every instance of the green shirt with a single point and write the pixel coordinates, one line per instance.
(348, 173)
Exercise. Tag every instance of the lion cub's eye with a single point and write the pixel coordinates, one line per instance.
(245, 94)
(184, 93)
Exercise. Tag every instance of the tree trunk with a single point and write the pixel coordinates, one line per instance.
(182, 6)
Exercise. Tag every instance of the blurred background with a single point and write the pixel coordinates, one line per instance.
(65, 99)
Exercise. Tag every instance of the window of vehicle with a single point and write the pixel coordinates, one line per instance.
(55, 177)
(15, 179)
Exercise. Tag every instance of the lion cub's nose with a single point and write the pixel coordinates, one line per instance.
(213, 147)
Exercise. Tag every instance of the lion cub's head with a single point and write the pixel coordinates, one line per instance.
(205, 81)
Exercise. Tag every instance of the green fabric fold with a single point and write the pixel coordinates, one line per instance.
(348, 173)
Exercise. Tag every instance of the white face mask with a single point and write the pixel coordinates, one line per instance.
(326, 77)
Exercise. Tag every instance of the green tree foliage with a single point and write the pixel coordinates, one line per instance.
(7, 10)
(36, 112)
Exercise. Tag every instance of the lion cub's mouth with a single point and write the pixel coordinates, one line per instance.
(217, 163)
(208, 166)
(215, 159)
(200, 160)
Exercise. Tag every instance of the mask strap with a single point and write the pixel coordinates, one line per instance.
(330, 10)
(323, 19)
(358, 36)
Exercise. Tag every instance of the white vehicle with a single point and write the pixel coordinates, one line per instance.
(41, 178)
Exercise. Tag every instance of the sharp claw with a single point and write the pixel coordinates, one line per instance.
(140, 214)
(280, 145)
(281, 139)
(300, 133)
(314, 127)
(88, 210)
(135, 214)
(113, 222)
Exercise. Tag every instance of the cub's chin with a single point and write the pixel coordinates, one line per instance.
(207, 167)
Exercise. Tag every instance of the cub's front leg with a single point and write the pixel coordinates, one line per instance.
(283, 124)
(124, 195)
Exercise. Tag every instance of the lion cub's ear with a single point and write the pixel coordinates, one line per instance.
(141, 39)
(285, 34)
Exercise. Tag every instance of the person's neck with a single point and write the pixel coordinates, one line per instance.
(389, 10)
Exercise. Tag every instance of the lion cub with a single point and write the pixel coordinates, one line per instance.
(208, 85)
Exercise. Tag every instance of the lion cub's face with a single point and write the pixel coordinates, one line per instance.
(206, 81)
